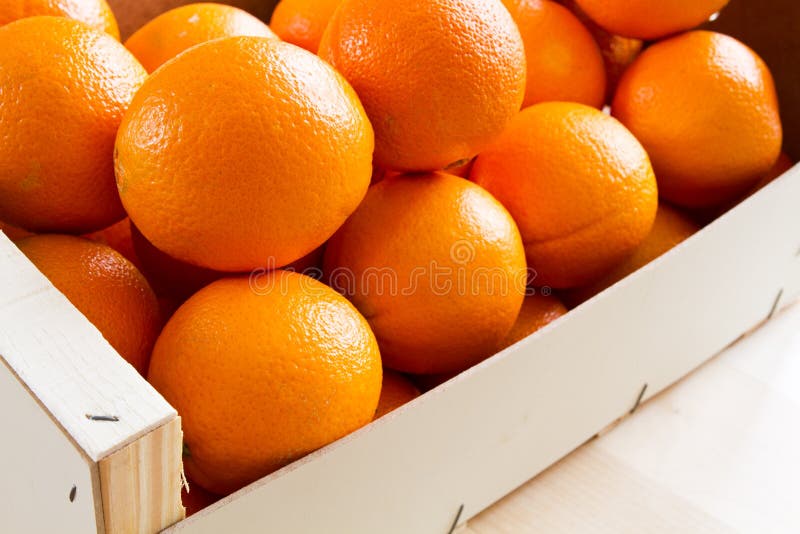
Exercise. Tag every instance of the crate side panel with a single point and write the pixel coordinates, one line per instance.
(40, 466)
(68, 365)
(479, 436)
(141, 483)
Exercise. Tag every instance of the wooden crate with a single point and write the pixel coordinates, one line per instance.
(90, 446)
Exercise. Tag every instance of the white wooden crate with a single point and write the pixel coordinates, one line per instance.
(446, 455)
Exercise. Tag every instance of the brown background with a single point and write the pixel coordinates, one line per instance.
(771, 27)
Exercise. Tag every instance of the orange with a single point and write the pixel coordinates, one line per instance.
(172, 32)
(13, 232)
(782, 164)
(94, 13)
(706, 215)
(263, 372)
(437, 267)
(105, 287)
(133, 14)
(440, 79)
(301, 22)
(704, 106)
(537, 311)
(670, 228)
(118, 236)
(563, 60)
(241, 153)
(309, 265)
(395, 392)
(64, 89)
(170, 277)
(579, 186)
(196, 498)
(618, 52)
(645, 19)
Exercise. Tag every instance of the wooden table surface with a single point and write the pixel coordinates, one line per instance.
(717, 452)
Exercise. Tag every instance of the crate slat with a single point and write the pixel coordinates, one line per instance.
(412, 470)
(40, 465)
(68, 365)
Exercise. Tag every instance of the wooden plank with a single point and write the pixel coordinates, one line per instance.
(141, 483)
(715, 453)
(40, 466)
(412, 470)
(67, 363)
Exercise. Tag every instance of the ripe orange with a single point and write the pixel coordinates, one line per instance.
(64, 89)
(302, 22)
(170, 277)
(133, 14)
(782, 164)
(537, 311)
(309, 265)
(670, 228)
(704, 106)
(13, 232)
(395, 392)
(243, 152)
(563, 60)
(579, 186)
(95, 13)
(172, 32)
(437, 267)
(105, 287)
(263, 372)
(118, 236)
(618, 52)
(440, 79)
(196, 498)
(645, 19)
(706, 215)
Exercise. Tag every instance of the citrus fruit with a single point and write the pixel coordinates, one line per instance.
(170, 277)
(241, 153)
(94, 13)
(105, 287)
(302, 22)
(172, 32)
(645, 19)
(13, 232)
(579, 186)
(706, 215)
(395, 392)
(704, 107)
(132, 15)
(618, 52)
(309, 265)
(118, 236)
(782, 164)
(670, 228)
(264, 373)
(64, 89)
(439, 78)
(537, 311)
(437, 267)
(563, 60)
(196, 498)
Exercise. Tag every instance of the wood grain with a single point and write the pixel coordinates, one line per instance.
(141, 483)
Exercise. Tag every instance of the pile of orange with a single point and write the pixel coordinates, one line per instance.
(436, 168)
